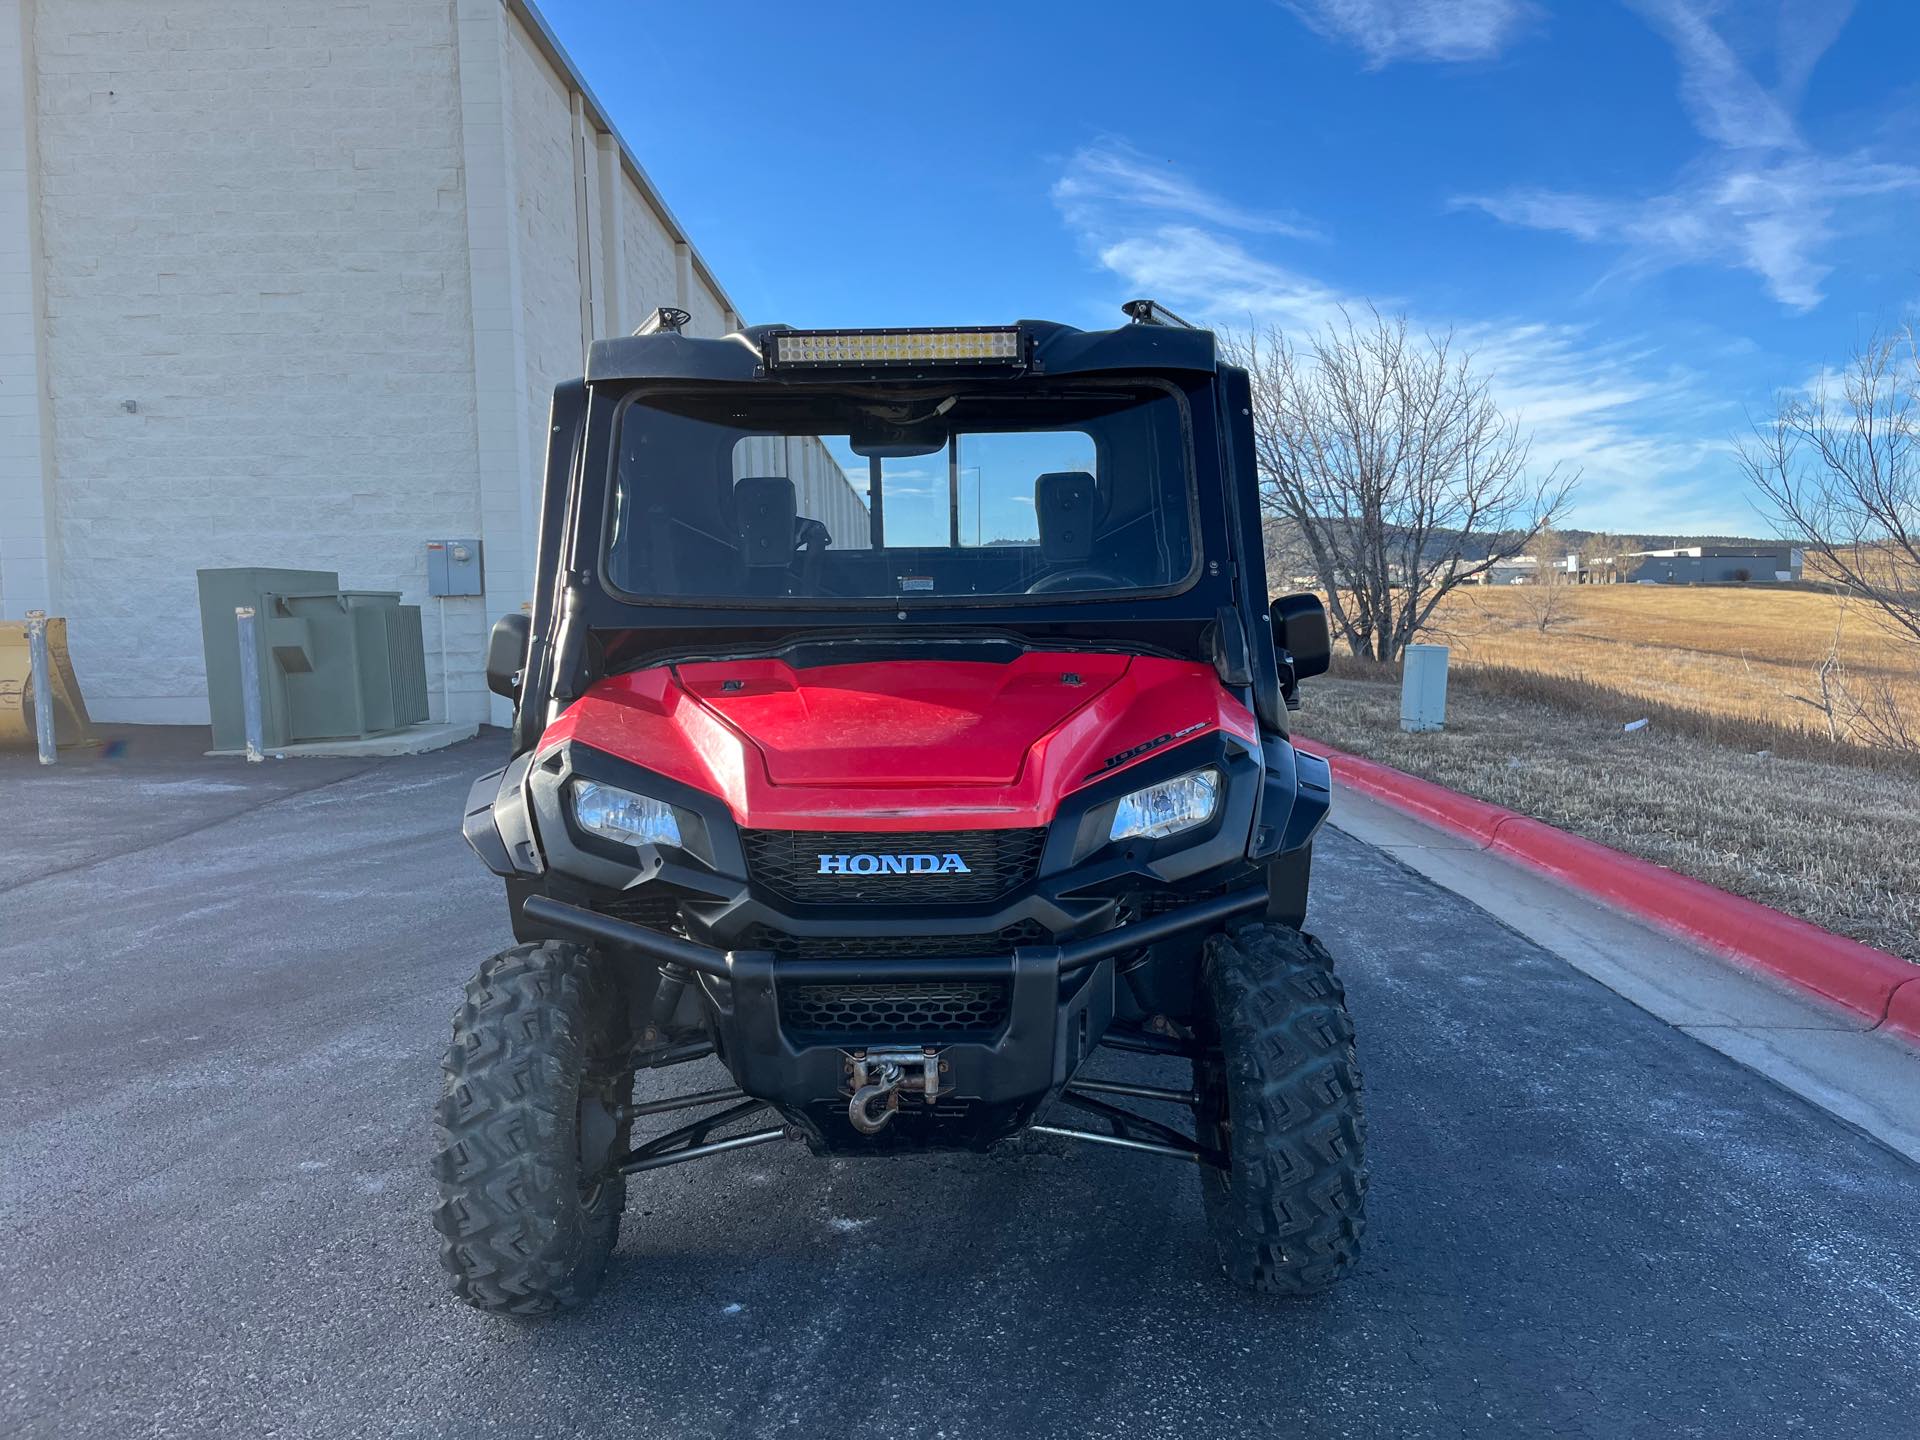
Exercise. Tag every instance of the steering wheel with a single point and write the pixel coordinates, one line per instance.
(1084, 578)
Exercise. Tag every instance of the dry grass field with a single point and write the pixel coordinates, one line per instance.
(1735, 654)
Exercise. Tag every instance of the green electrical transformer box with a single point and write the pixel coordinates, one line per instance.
(334, 664)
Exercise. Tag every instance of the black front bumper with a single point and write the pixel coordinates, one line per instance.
(1059, 1002)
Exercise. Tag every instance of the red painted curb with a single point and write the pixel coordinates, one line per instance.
(1871, 982)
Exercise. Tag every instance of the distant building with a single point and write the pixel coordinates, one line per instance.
(1515, 570)
(1714, 565)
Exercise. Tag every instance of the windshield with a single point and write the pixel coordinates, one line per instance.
(948, 494)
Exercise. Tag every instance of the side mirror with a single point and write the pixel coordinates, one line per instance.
(1300, 629)
(507, 654)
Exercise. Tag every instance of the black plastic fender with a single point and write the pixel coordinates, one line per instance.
(1295, 796)
(498, 823)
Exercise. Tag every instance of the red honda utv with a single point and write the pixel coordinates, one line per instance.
(901, 719)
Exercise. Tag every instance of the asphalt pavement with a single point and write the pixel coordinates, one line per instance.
(223, 995)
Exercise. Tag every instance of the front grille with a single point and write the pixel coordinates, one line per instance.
(1148, 903)
(787, 862)
(922, 1010)
(655, 906)
(892, 947)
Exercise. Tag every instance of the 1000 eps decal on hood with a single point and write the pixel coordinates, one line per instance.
(948, 864)
(1113, 761)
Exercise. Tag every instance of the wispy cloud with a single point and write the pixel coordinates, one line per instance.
(1632, 424)
(1774, 219)
(1443, 30)
(1727, 104)
(1114, 173)
(1762, 199)
(1192, 264)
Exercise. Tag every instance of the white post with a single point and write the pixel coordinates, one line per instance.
(40, 675)
(250, 682)
(1423, 688)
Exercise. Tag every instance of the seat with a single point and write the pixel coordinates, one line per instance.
(1066, 506)
(765, 511)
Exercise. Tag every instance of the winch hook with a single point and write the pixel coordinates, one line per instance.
(886, 1081)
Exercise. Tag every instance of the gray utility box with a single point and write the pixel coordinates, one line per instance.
(334, 664)
(453, 567)
(1423, 688)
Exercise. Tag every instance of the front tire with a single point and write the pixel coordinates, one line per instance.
(1280, 1100)
(527, 1122)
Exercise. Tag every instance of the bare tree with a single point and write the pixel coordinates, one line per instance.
(1839, 466)
(1603, 557)
(1546, 598)
(1391, 461)
(1827, 699)
(1545, 604)
(1549, 555)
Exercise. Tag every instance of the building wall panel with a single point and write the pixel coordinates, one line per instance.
(708, 310)
(649, 257)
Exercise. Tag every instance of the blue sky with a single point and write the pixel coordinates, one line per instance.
(1643, 215)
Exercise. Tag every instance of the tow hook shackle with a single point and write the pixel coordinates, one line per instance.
(877, 1078)
(880, 1087)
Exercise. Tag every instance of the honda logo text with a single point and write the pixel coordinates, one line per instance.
(893, 865)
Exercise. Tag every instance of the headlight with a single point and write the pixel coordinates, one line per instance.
(1167, 808)
(616, 814)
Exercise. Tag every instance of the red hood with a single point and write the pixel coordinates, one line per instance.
(897, 744)
(902, 723)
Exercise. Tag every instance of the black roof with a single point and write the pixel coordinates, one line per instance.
(1056, 350)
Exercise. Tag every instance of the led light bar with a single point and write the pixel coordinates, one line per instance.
(864, 349)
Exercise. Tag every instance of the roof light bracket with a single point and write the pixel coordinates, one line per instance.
(670, 318)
